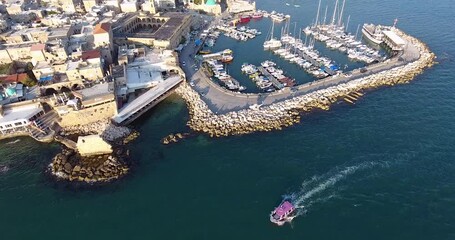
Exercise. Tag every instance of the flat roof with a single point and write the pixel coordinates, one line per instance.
(142, 76)
(394, 37)
(97, 90)
(19, 113)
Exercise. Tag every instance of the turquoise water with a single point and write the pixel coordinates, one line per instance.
(380, 169)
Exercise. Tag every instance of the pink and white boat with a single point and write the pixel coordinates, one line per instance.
(285, 212)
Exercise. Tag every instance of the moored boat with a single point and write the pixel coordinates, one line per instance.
(245, 19)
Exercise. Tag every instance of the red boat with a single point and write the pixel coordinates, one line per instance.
(245, 19)
(257, 15)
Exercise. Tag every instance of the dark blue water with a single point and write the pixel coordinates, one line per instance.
(383, 168)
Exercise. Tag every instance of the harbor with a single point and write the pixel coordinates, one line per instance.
(363, 153)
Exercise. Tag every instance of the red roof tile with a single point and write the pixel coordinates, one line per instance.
(37, 47)
(13, 78)
(91, 54)
(102, 28)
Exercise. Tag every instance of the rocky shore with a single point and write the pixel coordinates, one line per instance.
(286, 113)
(69, 165)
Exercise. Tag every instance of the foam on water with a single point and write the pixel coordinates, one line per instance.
(312, 189)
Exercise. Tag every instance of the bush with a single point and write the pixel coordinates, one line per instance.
(5, 68)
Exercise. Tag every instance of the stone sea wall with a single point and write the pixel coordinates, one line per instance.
(285, 113)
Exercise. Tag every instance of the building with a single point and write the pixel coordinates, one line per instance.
(102, 35)
(37, 52)
(161, 31)
(239, 6)
(92, 145)
(19, 119)
(148, 6)
(89, 67)
(89, 4)
(392, 40)
(128, 6)
(210, 6)
(164, 4)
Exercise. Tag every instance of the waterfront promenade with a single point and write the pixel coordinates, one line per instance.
(221, 100)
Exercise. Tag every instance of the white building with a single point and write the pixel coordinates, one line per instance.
(19, 118)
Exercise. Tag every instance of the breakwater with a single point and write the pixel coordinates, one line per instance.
(285, 113)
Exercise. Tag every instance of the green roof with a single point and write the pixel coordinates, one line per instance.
(210, 2)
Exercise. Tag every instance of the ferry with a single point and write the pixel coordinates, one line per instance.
(373, 33)
(285, 212)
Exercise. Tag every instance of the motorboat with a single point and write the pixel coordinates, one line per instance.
(285, 212)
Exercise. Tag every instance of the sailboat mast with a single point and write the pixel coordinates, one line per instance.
(273, 27)
(347, 24)
(317, 15)
(325, 15)
(341, 13)
(357, 32)
(334, 12)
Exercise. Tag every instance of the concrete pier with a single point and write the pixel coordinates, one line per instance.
(147, 100)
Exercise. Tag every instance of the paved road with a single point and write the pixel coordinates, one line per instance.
(221, 100)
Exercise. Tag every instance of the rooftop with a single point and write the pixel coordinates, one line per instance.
(15, 114)
(394, 37)
(102, 28)
(96, 91)
(91, 54)
(37, 47)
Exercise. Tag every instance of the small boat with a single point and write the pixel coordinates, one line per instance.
(204, 52)
(285, 212)
(245, 19)
(257, 15)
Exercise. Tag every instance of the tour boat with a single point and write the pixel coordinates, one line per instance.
(285, 212)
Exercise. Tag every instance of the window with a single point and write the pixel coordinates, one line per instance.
(18, 124)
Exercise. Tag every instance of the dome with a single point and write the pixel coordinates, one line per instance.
(210, 2)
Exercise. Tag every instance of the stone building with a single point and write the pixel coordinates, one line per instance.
(162, 31)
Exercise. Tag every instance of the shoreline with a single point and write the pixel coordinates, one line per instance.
(285, 113)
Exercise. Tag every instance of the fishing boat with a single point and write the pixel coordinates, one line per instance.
(257, 15)
(227, 58)
(285, 212)
(245, 19)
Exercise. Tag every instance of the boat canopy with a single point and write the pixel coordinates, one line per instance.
(283, 209)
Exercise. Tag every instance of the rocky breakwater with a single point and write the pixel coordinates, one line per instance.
(70, 165)
(97, 158)
(285, 113)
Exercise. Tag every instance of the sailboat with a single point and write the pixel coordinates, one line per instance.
(272, 43)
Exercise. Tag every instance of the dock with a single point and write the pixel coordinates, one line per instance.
(274, 81)
(147, 100)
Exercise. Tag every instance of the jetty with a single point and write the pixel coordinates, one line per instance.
(272, 79)
(147, 100)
